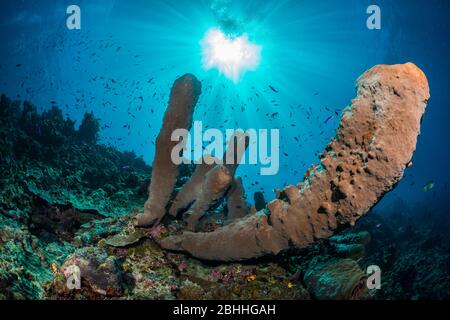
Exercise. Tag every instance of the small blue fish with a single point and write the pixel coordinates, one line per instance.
(329, 119)
(428, 186)
(273, 89)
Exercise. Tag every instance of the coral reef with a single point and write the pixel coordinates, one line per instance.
(374, 144)
(67, 201)
(62, 205)
(101, 273)
(25, 261)
(410, 245)
(56, 193)
(341, 279)
(89, 127)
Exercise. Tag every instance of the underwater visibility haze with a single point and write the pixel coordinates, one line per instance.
(92, 93)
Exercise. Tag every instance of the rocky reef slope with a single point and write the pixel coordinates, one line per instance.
(58, 189)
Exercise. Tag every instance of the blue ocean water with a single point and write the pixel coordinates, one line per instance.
(123, 61)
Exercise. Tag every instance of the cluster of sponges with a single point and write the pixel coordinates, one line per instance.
(211, 180)
(375, 142)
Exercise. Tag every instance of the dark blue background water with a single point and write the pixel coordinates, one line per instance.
(123, 61)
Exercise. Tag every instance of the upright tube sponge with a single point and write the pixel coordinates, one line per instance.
(236, 203)
(183, 98)
(215, 184)
(218, 180)
(192, 189)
